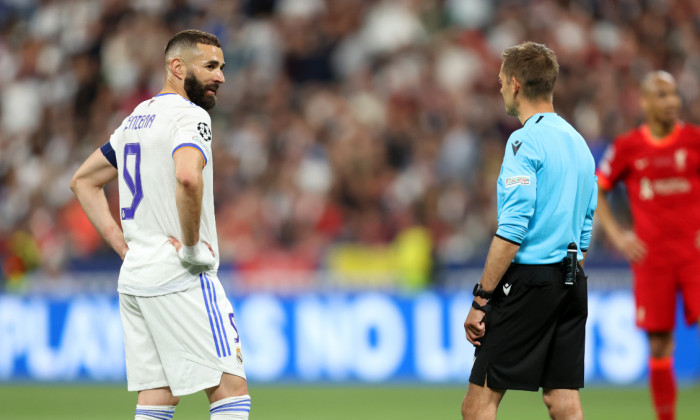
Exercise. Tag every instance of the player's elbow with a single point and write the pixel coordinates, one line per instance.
(74, 185)
(189, 180)
(77, 183)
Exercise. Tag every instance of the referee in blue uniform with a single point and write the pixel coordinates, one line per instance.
(528, 317)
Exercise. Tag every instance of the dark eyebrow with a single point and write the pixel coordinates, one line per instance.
(216, 63)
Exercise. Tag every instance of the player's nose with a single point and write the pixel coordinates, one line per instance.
(219, 76)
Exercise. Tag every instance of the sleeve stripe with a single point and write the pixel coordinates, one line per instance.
(108, 152)
(193, 146)
(507, 240)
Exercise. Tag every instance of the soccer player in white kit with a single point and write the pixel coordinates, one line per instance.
(179, 330)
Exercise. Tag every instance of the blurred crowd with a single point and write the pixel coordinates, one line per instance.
(345, 130)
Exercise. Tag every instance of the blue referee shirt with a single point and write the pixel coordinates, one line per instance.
(547, 190)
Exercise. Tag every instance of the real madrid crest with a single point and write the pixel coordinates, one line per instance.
(239, 356)
(204, 131)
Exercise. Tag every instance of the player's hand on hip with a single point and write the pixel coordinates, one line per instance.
(201, 254)
(474, 326)
(122, 252)
(631, 247)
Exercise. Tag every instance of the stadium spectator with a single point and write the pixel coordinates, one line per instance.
(659, 164)
(394, 121)
(522, 277)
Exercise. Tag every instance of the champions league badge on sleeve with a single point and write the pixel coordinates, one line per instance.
(517, 180)
(204, 131)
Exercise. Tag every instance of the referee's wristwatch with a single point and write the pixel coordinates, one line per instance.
(478, 291)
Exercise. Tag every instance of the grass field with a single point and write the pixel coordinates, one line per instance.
(332, 402)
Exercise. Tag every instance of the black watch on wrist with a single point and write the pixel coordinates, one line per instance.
(478, 291)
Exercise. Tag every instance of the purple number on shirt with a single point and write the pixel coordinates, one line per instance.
(134, 183)
(233, 324)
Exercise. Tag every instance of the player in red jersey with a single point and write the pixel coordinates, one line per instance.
(659, 163)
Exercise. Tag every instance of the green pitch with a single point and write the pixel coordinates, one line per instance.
(331, 402)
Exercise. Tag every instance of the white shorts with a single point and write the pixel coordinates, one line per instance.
(183, 340)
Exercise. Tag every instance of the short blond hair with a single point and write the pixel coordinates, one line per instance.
(535, 66)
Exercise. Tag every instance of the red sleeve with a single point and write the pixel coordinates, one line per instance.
(613, 166)
(696, 134)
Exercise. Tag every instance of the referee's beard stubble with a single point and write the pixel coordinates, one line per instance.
(197, 92)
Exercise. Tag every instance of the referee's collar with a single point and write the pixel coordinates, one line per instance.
(535, 118)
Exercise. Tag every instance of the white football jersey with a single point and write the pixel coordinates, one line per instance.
(143, 146)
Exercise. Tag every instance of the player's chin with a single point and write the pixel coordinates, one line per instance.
(672, 114)
(208, 103)
(670, 119)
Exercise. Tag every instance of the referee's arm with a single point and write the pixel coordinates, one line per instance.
(515, 211)
(585, 239)
(501, 254)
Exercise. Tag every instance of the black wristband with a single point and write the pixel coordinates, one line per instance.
(478, 291)
(484, 309)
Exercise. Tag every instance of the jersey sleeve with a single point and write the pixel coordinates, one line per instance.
(109, 149)
(193, 129)
(696, 136)
(585, 240)
(613, 165)
(108, 152)
(517, 188)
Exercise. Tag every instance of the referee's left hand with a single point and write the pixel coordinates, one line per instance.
(474, 325)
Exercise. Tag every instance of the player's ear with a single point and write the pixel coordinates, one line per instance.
(516, 85)
(177, 67)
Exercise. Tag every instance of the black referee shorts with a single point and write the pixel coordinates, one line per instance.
(535, 331)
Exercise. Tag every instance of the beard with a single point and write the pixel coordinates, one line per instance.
(512, 109)
(197, 92)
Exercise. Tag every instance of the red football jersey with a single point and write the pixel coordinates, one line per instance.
(662, 177)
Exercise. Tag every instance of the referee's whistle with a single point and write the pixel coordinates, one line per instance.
(571, 265)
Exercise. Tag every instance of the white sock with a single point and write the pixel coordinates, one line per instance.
(230, 408)
(154, 412)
